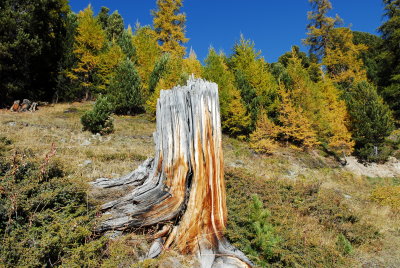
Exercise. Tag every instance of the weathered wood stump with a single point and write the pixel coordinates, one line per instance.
(184, 183)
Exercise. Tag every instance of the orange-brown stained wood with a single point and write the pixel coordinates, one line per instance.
(185, 181)
(205, 216)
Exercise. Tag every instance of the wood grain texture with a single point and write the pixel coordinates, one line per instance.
(185, 180)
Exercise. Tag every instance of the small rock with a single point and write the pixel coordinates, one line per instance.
(347, 196)
(86, 143)
(86, 163)
(156, 248)
(113, 234)
(237, 163)
(12, 124)
(70, 110)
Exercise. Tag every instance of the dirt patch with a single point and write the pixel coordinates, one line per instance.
(390, 169)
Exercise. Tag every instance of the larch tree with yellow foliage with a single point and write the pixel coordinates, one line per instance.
(191, 65)
(147, 52)
(89, 43)
(334, 125)
(263, 139)
(169, 25)
(295, 127)
(108, 61)
(257, 85)
(234, 118)
(321, 104)
(320, 26)
(342, 58)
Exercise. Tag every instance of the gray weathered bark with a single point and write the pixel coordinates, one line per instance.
(184, 182)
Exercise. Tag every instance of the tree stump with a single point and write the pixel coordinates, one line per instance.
(184, 183)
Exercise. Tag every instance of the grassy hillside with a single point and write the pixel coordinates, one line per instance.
(315, 213)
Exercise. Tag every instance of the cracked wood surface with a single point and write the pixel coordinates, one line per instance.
(184, 182)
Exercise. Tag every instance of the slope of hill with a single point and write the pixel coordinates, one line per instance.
(316, 213)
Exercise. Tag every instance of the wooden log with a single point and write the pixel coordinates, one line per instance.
(184, 182)
(15, 106)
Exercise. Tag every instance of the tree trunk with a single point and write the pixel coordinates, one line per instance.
(184, 183)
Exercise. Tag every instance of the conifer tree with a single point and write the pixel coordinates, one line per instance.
(89, 44)
(235, 120)
(103, 16)
(147, 52)
(169, 25)
(390, 70)
(31, 38)
(321, 104)
(295, 127)
(320, 27)
(256, 83)
(125, 89)
(262, 140)
(371, 119)
(126, 43)
(159, 72)
(68, 89)
(334, 121)
(191, 65)
(108, 61)
(342, 58)
(115, 26)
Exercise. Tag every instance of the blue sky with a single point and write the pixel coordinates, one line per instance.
(273, 25)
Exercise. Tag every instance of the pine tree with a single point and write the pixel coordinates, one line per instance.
(372, 55)
(235, 120)
(126, 43)
(390, 69)
(256, 83)
(99, 119)
(31, 38)
(320, 27)
(115, 26)
(371, 119)
(342, 58)
(89, 44)
(103, 16)
(68, 89)
(262, 140)
(159, 72)
(125, 89)
(169, 25)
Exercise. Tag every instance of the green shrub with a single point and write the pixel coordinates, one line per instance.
(265, 242)
(344, 245)
(373, 153)
(43, 215)
(387, 196)
(303, 214)
(99, 120)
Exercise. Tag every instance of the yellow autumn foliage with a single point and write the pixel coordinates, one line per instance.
(263, 139)
(342, 57)
(388, 196)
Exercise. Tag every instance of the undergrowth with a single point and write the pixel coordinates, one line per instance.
(310, 226)
(43, 214)
(47, 218)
